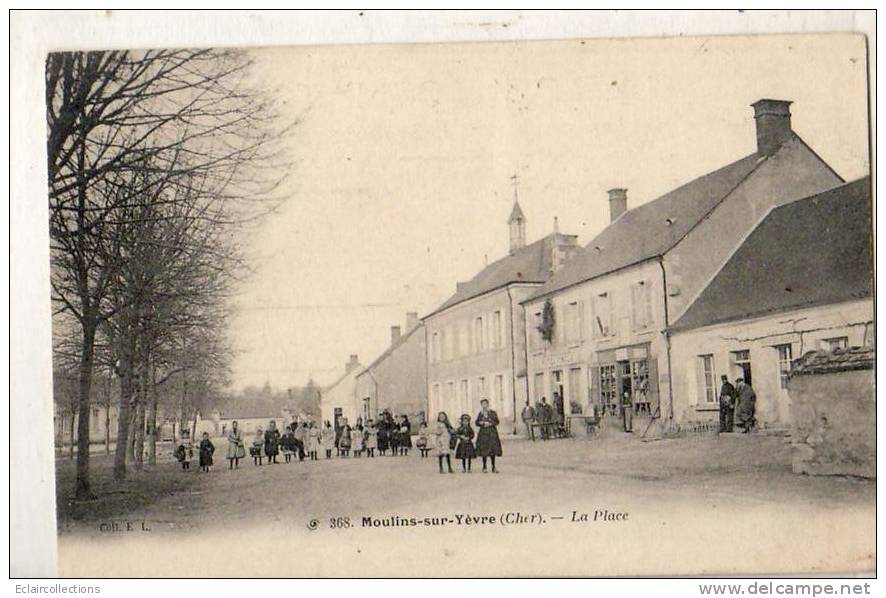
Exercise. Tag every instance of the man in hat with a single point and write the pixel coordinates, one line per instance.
(727, 404)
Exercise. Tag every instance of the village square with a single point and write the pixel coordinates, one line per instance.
(696, 364)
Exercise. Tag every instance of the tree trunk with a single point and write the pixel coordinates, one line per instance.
(152, 419)
(108, 415)
(71, 436)
(124, 415)
(139, 448)
(81, 485)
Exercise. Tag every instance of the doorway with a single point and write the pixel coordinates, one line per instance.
(742, 362)
(557, 392)
(626, 385)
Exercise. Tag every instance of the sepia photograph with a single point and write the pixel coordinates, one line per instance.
(580, 307)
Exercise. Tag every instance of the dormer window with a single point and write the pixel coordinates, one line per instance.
(669, 222)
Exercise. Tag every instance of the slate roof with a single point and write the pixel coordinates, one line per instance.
(813, 251)
(643, 232)
(394, 346)
(531, 264)
(839, 360)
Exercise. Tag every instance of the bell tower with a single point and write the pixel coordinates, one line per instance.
(517, 222)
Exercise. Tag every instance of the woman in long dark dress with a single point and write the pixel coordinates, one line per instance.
(405, 435)
(488, 442)
(383, 434)
(272, 441)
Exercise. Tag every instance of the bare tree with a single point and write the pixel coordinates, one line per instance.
(130, 129)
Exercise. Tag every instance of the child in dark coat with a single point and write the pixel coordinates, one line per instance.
(464, 449)
(206, 450)
(422, 442)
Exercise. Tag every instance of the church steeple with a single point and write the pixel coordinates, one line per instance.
(517, 222)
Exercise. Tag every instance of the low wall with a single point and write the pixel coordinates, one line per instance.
(833, 431)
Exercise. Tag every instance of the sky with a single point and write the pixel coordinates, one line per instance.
(400, 183)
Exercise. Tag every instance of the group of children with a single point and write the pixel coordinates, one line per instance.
(307, 439)
(184, 452)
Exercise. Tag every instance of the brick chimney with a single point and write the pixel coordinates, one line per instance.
(395, 334)
(411, 320)
(618, 203)
(352, 364)
(773, 118)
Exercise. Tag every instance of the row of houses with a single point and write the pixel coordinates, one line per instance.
(737, 273)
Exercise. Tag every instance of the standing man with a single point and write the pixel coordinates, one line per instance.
(528, 416)
(747, 405)
(627, 410)
(727, 405)
(546, 416)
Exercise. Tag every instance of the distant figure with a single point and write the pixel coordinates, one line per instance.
(559, 410)
(370, 438)
(423, 442)
(442, 434)
(185, 451)
(546, 417)
(392, 425)
(206, 451)
(301, 438)
(327, 437)
(255, 450)
(627, 412)
(383, 437)
(488, 442)
(236, 450)
(272, 442)
(357, 439)
(464, 449)
(314, 442)
(528, 417)
(746, 407)
(727, 405)
(287, 444)
(405, 435)
(344, 442)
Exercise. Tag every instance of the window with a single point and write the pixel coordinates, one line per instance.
(448, 344)
(435, 406)
(495, 340)
(450, 397)
(479, 335)
(603, 315)
(575, 394)
(464, 341)
(481, 388)
(832, 344)
(498, 397)
(641, 306)
(785, 355)
(574, 322)
(464, 398)
(708, 378)
(609, 388)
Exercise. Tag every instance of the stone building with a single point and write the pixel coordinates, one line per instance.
(397, 380)
(475, 339)
(834, 428)
(339, 399)
(801, 281)
(616, 299)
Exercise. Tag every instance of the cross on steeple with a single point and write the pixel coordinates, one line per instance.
(515, 180)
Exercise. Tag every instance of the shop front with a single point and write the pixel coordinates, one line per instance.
(625, 376)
